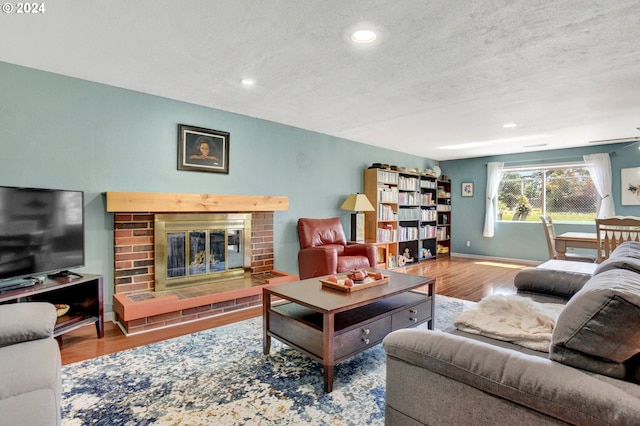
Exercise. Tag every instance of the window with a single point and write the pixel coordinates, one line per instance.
(565, 192)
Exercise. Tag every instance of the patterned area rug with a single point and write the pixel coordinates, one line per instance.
(221, 377)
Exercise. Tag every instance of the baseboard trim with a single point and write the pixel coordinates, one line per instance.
(498, 259)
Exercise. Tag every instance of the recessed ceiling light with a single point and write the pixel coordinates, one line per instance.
(248, 81)
(509, 125)
(363, 36)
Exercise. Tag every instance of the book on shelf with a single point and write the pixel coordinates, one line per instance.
(427, 232)
(387, 177)
(407, 234)
(428, 184)
(387, 235)
(408, 198)
(412, 213)
(441, 233)
(426, 199)
(386, 212)
(428, 215)
(387, 194)
(408, 183)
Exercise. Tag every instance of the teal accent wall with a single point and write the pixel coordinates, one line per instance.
(520, 240)
(61, 132)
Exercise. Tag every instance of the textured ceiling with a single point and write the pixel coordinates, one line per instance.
(442, 73)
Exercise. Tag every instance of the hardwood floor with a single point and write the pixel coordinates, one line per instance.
(463, 278)
(469, 279)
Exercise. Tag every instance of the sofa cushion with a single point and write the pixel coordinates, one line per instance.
(39, 407)
(597, 330)
(567, 394)
(29, 366)
(21, 322)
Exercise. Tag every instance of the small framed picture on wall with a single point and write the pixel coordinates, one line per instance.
(467, 189)
(630, 183)
(203, 150)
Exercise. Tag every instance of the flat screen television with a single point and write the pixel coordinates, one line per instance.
(41, 232)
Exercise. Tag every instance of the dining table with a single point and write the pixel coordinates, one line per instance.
(587, 240)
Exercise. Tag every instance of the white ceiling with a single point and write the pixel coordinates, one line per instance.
(442, 73)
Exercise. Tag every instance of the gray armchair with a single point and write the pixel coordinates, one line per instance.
(30, 372)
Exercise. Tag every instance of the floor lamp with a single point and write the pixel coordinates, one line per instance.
(357, 203)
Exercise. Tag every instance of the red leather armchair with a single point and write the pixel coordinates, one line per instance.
(324, 249)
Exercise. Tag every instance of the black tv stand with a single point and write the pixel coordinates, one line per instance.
(63, 274)
(83, 295)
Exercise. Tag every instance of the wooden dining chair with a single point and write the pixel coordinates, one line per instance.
(550, 233)
(615, 230)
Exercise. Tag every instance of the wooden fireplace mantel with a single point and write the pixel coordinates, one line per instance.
(166, 202)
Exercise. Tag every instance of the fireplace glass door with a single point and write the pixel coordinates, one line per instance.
(208, 251)
(195, 254)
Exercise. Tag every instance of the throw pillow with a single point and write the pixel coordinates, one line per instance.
(597, 330)
(619, 262)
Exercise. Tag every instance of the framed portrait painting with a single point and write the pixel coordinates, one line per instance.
(203, 150)
(630, 186)
(467, 189)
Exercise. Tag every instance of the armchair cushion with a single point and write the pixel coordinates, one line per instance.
(321, 232)
(21, 322)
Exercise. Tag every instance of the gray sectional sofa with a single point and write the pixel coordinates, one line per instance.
(30, 372)
(591, 375)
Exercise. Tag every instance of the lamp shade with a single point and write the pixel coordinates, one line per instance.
(357, 203)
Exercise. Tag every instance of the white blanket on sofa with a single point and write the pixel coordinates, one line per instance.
(512, 318)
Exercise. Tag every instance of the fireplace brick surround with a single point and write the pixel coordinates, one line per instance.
(136, 304)
(134, 249)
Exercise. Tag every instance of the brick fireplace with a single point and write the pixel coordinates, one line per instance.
(137, 305)
(134, 252)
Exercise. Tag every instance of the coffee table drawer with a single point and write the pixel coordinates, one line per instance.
(364, 336)
(296, 333)
(411, 316)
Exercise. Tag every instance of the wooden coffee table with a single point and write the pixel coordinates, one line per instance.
(330, 325)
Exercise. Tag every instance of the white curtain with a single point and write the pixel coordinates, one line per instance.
(599, 166)
(494, 174)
